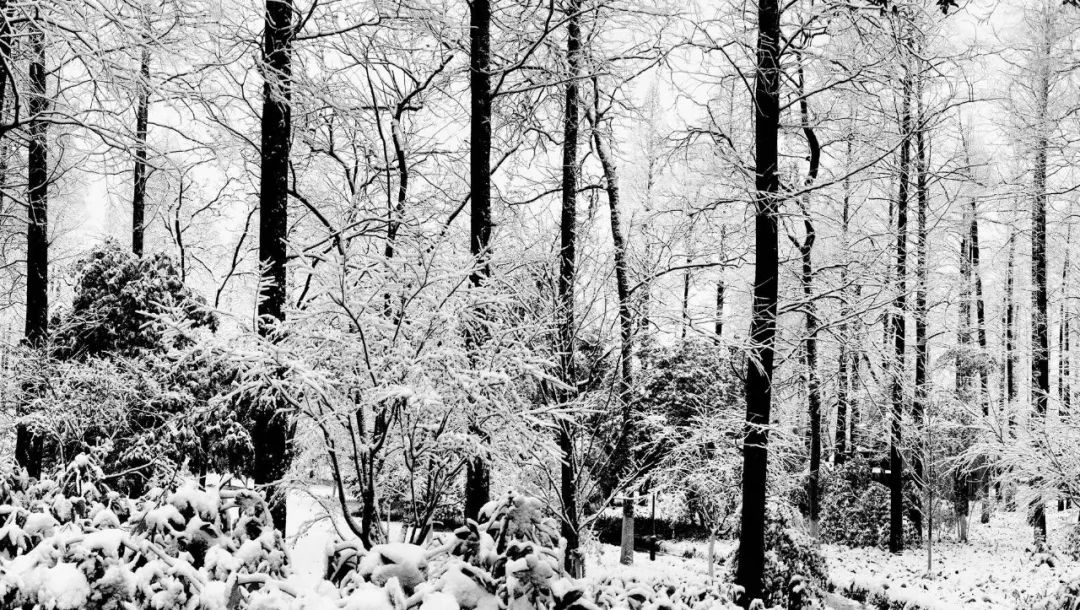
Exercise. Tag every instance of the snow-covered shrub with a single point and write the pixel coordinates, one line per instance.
(71, 542)
(795, 570)
(855, 508)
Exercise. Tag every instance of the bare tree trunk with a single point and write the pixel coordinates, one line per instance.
(142, 112)
(806, 249)
(896, 462)
(759, 373)
(626, 552)
(1040, 339)
(28, 446)
(922, 283)
(843, 379)
(477, 476)
(272, 433)
(574, 563)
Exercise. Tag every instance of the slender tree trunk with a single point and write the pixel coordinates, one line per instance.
(142, 113)
(896, 462)
(1010, 337)
(984, 373)
(567, 275)
(272, 433)
(626, 551)
(1040, 339)
(1063, 334)
(843, 380)
(961, 501)
(477, 476)
(806, 250)
(28, 449)
(686, 300)
(922, 283)
(759, 373)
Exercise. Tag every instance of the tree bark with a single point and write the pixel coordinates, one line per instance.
(806, 251)
(1064, 391)
(477, 476)
(567, 277)
(142, 114)
(272, 434)
(1040, 339)
(759, 373)
(28, 446)
(922, 283)
(843, 379)
(896, 462)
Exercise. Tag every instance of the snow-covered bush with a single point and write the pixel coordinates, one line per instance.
(71, 542)
(855, 508)
(795, 570)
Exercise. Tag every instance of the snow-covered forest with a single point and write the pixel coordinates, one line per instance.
(559, 304)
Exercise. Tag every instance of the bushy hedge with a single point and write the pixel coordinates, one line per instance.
(70, 542)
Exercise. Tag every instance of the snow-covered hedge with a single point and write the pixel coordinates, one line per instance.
(70, 542)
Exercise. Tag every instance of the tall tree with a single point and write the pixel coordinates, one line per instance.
(142, 115)
(898, 325)
(759, 372)
(272, 431)
(477, 476)
(567, 271)
(806, 254)
(1040, 336)
(28, 449)
(922, 272)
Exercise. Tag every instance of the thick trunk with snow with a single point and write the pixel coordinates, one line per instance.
(759, 373)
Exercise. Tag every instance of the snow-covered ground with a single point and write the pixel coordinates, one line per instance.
(994, 570)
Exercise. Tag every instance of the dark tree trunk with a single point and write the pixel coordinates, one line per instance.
(1040, 337)
(806, 251)
(896, 462)
(28, 446)
(759, 372)
(477, 476)
(922, 283)
(142, 114)
(272, 430)
(1064, 391)
(686, 300)
(1010, 337)
(843, 379)
(574, 563)
(984, 373)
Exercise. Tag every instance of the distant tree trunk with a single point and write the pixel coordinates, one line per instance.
(843, 380)
(855, 414)
(28, 446)
(626, 552)
(272, 433)
(1010, 337)
(142, 112)
(622, 268)
(1040, 337)
(477, 476)
(759, 371)
(718, 326)
(896, 463)
(567, 275)
(961, 503)
(1064, 391)
(984, 373)
(806, 250)
(686, 300)
(922, 283)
